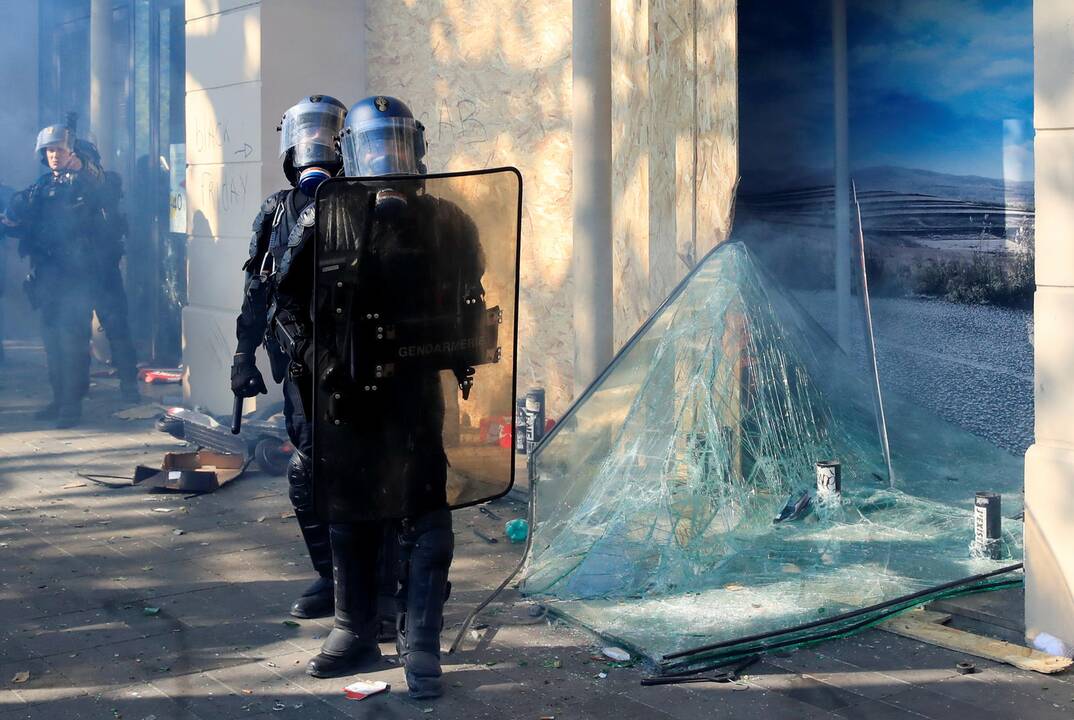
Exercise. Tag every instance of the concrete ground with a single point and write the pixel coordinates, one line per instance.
(120, 604)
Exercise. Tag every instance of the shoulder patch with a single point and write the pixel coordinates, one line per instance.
(307, 216)
(269, 206)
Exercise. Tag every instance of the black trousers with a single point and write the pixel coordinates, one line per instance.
(300, 482)
(110, 302)
(65, 329)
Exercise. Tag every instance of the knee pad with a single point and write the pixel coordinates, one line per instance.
(300, 481)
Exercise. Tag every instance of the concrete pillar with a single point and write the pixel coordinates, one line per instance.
(842, 171)
(591, 139)
(1049, 518)
(246, 64)
(102, 101)
(18, 165)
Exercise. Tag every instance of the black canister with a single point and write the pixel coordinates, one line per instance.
(987, 523)
(520, 426)
(534, 417)
(829, 478)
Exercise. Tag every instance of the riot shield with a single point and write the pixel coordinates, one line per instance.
(415, 315)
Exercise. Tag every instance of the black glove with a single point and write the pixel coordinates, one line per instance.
(246, 380)
(465, 376)
(333, 377)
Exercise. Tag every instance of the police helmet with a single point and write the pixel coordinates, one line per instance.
(51, 136)
(309, 128)
(381, 137)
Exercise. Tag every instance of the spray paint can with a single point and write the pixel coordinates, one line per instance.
(987, 524)
(829, 479)
(520, 426)
(534, 417)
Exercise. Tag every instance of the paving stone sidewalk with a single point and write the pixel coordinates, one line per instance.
(125, 605)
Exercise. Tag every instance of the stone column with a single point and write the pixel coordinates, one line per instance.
(102, 101)
(246, 64)
(1049, 518)
(591, 138)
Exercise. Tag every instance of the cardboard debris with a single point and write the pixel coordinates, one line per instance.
(192, 472)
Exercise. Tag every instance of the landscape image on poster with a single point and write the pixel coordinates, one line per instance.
(940, 108)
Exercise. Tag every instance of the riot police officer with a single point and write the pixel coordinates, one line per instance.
(310, 156)
(399, 477)
(110, 297)
(59, 220)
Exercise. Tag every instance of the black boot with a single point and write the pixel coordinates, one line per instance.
(388, 574)
(69, 415)
(318, 599)
(352, 645)
(428, 545)
(128, 391)
(49, 412)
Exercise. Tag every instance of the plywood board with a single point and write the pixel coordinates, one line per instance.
(674, 130)
(631, 174)
(491, 82)
(1020, 657)
(717, 120)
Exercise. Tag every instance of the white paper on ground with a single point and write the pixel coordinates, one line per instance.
(361, 689)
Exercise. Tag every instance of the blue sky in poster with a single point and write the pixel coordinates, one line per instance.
(932, 82)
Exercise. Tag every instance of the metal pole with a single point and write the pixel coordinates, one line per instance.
(101, 101)
(156, 191)
(842, 172)
(592, 183)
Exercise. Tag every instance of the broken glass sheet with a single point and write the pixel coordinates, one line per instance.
(655, 497)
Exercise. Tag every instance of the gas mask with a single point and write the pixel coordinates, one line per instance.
(310, 178)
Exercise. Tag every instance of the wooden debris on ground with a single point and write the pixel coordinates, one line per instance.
(928, 627)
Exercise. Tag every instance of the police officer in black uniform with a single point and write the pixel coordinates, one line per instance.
(59, 220)
(396, 437)
(110, 297)
(310, 156)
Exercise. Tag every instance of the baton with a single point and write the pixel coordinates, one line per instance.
(236, 415)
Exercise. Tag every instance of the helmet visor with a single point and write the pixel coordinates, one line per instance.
(311, 129)
(52, 136)
(385, 146)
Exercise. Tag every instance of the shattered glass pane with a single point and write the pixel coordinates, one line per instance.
(655, 499)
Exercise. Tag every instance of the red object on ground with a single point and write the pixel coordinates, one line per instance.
(161, 375)
(362, 689)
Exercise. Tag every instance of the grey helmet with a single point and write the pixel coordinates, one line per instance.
(53, 135)
(308, 134)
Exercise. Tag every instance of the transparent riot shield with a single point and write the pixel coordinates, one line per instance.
(415, 315)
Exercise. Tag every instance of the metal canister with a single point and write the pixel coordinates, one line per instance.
(829, 478)
(987, 523)
(520, 425)
(534, 417)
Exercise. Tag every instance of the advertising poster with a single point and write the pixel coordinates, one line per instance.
(940, 138)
